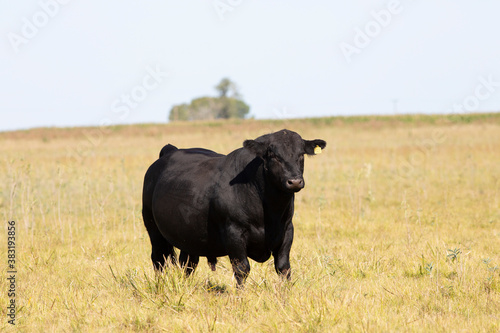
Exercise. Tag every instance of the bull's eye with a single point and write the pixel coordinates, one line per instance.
(274, 157)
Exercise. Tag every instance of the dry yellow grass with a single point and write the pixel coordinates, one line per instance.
(398, 229)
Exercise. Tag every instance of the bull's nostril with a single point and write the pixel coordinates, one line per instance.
(295, 183)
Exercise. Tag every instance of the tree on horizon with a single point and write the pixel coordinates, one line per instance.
(225, 106)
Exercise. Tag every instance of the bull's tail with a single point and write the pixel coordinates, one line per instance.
(167, 149)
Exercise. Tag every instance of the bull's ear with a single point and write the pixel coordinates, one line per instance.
(258, 148)
(313, 147)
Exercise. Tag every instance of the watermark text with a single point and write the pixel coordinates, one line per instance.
(11, 272)
(30, 27)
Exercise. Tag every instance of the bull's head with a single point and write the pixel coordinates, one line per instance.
(283, 155)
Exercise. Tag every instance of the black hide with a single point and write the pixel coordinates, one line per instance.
(213, 205)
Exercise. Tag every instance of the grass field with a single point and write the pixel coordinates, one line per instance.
(398, 229)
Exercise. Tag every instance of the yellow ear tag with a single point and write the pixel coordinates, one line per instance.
(317, 150)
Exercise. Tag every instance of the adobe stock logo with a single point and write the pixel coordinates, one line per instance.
(31, 27)
(222, 7)
(123, 105)
(483, 91)
(381, 19)
(121, 109)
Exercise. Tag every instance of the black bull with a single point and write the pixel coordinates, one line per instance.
(213, 205)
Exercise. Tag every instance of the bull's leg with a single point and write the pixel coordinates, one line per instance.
(161, 248)
(236, 247)
(241, 268)
(188, 262)
(212, 262)
(282, 255)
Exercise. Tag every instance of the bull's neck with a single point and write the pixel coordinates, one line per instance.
(252, 172)
(274, 198)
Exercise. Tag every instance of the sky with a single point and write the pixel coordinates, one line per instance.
(80, 63)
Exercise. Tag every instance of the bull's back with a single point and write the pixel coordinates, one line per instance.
(181, 197)
(177, 167)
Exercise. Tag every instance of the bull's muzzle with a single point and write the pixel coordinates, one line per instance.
(295, 184)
